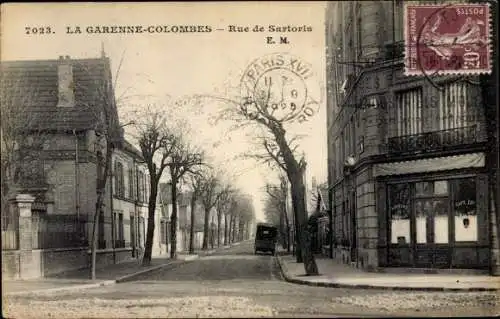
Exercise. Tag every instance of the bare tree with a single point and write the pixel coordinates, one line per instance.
(109, 134)
(157, 144)
(233, 203)
(261, 112)
(211, 191)
(242, 212)
(184, 158)
(222, 206)
(276, 208)
(22, 135)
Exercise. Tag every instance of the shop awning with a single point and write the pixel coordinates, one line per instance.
(430, 165)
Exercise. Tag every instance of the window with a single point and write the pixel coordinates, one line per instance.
(352, 141)
(146, 187)
(140, 186)
(163, 235)
(131, 190)
(120, 227)
(119, 183)
(464, 207)
(399, 213)
(406, 117)
(458, 106)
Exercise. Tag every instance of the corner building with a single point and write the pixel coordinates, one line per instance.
(407, 157)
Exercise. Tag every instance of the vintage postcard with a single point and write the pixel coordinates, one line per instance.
(249, 159)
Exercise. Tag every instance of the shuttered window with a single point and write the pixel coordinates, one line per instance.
(458, 106)
(408, 113)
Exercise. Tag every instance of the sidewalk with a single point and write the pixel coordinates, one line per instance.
(107, 275)
(336, 275)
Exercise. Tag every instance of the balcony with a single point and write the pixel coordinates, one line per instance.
(433, 141)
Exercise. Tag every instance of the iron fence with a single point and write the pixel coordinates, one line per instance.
(58, 231)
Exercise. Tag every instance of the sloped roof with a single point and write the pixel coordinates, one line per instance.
(127, 146)
(33, 87)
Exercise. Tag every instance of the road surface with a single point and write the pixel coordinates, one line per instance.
(237, 283)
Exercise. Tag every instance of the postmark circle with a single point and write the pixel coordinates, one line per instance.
(279, 85)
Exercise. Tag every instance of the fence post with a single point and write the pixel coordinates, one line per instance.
(22, 203)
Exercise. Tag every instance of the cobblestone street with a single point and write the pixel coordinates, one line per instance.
(236, 283)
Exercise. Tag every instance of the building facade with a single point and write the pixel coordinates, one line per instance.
(407, 156)
(53, 146)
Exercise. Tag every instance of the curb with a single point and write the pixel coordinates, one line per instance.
(170, 265)
(284, 273)
(118, 280)
(51, 290)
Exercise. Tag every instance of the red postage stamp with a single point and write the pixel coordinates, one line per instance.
(447, 39)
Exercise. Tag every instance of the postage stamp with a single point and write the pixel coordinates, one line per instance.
(447, 39)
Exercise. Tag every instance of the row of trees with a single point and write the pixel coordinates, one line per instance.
(232, 208)
(165, 146)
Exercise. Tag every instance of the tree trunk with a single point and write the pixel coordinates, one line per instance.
(296, 238)
(146, 259)
(233, 236)
(230, 230)
(298, 201)
(101, 190)
(226, 233)
(219, 221)
(191, 233)
(287, 225)
(206, 229)
(93, 245)
(173, 220)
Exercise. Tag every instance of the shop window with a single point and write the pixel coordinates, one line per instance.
(465, 210)
(399, 208)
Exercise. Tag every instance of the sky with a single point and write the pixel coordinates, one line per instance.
(168, 66)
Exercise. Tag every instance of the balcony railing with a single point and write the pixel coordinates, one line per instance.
(433, 141)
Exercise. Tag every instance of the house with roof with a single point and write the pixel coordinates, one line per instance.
(53, 137)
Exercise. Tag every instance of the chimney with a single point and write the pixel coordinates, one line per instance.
(65, 83)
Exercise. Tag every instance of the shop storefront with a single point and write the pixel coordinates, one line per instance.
(436, 219)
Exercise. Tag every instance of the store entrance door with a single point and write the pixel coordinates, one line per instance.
(431, 233)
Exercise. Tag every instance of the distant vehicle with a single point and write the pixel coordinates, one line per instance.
(265, 238)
